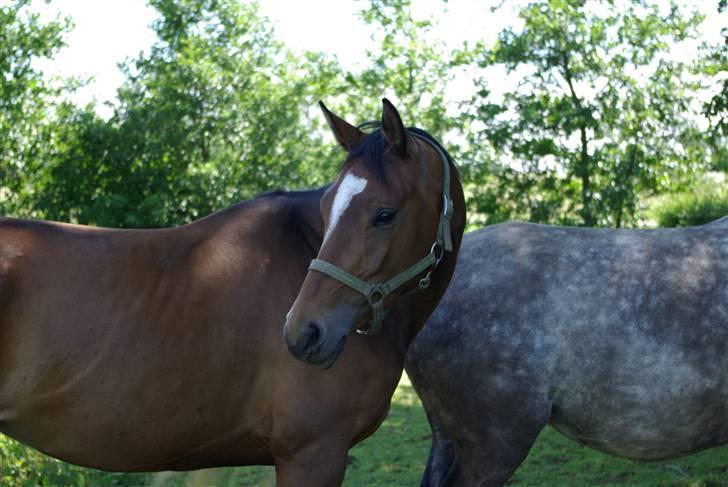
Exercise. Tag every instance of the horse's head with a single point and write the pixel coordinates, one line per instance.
(386, 228)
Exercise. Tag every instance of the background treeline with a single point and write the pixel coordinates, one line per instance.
(603, 123)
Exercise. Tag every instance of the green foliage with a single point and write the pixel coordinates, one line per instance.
(214, 113)
(219, 111)
(404, 66)
(24, 98)
(600, 114)
(702, 204)
(714, 66)
(21, 466)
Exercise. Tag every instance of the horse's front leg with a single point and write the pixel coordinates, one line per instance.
(320, 463)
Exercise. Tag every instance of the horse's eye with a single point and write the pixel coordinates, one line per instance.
(383, 217)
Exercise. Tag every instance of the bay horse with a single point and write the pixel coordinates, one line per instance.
(616, 338)
(148, 350)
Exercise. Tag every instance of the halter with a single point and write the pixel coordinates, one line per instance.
(376, 292)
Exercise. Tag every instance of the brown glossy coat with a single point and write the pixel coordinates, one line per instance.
(144, 350)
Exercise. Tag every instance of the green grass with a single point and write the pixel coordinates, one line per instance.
(394, 456)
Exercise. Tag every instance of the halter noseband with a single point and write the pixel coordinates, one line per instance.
(376, 292)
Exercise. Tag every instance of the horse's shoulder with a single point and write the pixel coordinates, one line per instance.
(17, 238)
(256, 232)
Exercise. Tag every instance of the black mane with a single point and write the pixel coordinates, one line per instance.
(303, 216)
(371, 149)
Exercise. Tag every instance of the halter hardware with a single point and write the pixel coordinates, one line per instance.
(376, 293)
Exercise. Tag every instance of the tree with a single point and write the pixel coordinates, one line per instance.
(404, 66)
(600, 115)
(716, 109)
(214, 113)
(25, 99)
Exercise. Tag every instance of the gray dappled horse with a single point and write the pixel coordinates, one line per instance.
(616, 338)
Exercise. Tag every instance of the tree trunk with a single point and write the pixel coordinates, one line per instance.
(583, 169)
(627, 177)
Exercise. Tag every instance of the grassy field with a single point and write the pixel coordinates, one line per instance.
(394, 456)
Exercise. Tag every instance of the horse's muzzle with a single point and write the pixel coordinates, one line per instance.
(319, 342)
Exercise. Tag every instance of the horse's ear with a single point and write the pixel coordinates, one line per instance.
(346, 134)
(393, 129)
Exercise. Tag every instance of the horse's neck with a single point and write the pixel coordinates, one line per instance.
(295, 214)
(306, 217)
(426, 302)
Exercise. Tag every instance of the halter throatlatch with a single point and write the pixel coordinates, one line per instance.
(376, 292)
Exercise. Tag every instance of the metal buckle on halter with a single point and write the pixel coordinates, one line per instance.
(369, 330)
(437, 251)
(425, 281)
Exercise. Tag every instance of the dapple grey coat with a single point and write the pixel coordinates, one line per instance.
(617, 338)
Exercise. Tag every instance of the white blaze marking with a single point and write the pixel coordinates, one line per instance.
(349, 187)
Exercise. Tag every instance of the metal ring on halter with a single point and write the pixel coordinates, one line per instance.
(437, 255)
(376, 290)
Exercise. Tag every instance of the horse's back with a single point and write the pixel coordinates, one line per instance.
(611, 331)
(519, 281)
(722, 222)
(511, 270)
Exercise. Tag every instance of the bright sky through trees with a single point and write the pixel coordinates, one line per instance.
(108, 31)
(622, 81)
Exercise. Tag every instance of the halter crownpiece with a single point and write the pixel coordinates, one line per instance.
(376, 292)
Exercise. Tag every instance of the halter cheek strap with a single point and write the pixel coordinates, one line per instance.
(376, 292)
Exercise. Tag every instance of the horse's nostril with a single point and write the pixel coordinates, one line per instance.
(313, 336)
